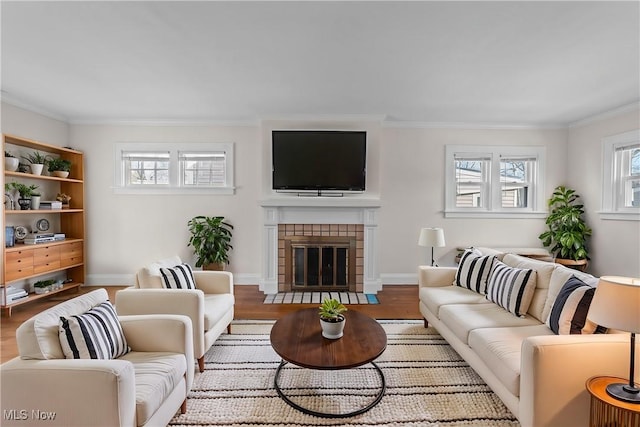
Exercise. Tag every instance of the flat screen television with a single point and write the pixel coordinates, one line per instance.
(306, 160)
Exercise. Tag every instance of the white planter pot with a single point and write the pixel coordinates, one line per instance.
(60, 174)
(332, 330)
(35, 202)
(36, 169)
(11, 164)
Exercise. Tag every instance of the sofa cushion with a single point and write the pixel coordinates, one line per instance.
(569, 312)
(473, 271)
(511, 288)
(544, 270)
(156, 374)
(96, 334)
(500, 350)
(38, 337)
(215, 307)
(464, 318)
(436, 297)
(178, 277)
(150, 278)
(557, 280)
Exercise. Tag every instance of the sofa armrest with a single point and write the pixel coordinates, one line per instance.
(554, 370)
(66, 391)
(429, 276)
(214, 282)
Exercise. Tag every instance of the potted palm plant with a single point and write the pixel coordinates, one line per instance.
(37, 161)
(211, 241)
(567, 231)
(331, 318)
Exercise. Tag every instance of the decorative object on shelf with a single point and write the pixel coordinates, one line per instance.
(433, 237)
(44, 286)
(567, 231)
(58, 167)
(211, 241)
(65, 199)
(37, 161)
(25, 192)
(9, 236)
(9, 203)
(21, 232)
(11, 162)
(616, 305)
(331, 318)
(35, 201)
(42, 225)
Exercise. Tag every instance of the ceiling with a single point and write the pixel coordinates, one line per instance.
(507, 63)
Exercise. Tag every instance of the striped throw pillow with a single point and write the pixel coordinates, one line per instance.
(473, 271)
(96, 334)
(511, 288)
(569, 312)
(178, 277)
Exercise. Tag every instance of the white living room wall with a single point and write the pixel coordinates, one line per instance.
(406, 171)
(615, 244)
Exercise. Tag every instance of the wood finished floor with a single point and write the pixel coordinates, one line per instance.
(396, 302)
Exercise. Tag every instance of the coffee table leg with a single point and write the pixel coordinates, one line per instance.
(291, 403)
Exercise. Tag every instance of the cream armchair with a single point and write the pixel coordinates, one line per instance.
(145, 387)
(210, 306)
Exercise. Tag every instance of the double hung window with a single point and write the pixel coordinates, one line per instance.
(499, 181)
(621, 176)
(174, 168)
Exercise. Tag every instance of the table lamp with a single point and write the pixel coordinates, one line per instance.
(616, 305)
(433, 237)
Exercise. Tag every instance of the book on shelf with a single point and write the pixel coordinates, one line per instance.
(50, 204)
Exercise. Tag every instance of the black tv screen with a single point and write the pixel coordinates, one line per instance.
(319, 160)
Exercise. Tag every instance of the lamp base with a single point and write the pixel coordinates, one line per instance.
(624, 392)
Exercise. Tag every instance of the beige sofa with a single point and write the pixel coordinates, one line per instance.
(210, 307)
(538, 375)
(145, 387)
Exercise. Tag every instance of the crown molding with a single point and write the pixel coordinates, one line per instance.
(166, 122)
(470, 125)
(606, 114)
(15, 102)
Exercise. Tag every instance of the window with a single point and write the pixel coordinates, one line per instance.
(497, 181)
(154, 168)
(621, 176)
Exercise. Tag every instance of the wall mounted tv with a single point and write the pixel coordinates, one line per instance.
(306, 160)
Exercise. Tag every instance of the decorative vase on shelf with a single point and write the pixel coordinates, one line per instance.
(35, 203)
(11, 164)
(25, 204)
(36, 169)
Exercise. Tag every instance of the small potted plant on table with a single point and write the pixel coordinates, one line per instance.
(331, 318)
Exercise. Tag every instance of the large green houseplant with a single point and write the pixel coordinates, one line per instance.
(567, 231)
(211, 241)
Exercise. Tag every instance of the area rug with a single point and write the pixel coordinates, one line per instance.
(318, 297)
(428, 384)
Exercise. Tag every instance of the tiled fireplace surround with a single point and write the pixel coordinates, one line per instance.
(319, 216)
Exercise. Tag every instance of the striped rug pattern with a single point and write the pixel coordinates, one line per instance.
(318, 297)
(428, 384)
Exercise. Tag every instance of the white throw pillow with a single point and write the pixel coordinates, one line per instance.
(178, 277)
(473, 270)
(569, 312)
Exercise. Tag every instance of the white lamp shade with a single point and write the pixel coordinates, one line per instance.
(433, 237)
(616, 304)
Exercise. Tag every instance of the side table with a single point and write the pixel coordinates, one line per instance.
(607, 411)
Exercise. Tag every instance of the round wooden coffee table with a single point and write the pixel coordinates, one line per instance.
(297, 338)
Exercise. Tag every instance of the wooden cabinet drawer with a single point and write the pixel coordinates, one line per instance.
(46, 266)
(19, 259)
(15, 273)
(71, 250)
(67, 261)
(46, 255)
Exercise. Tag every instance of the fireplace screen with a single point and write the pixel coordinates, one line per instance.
(318, 263)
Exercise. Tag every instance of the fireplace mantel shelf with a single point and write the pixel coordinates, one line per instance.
(313, 202)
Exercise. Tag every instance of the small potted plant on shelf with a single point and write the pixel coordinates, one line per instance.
(43, 286)
(211, 241)
(59, 167)
(25, 192)
(11, 162)
(37, 161)
(567, 231)
(331, 318)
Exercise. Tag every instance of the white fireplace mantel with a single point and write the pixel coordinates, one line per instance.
(319, 210)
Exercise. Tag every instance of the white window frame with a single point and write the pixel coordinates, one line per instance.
(175, 173)
(612, 207)
(493, 206)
